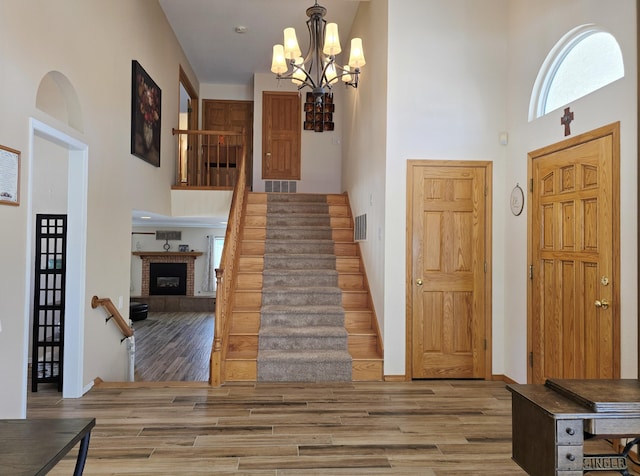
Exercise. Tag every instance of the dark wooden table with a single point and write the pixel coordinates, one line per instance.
(33, 447)
(550, 422)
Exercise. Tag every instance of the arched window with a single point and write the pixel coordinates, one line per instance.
(586, 59)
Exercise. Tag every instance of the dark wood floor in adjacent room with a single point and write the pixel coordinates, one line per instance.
(173, 346)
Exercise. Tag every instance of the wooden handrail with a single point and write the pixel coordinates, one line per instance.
(208, 158)
(126, 330)
(226, 274)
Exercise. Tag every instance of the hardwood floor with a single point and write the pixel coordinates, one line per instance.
(424, 427)
(173, 346)
(427, 428)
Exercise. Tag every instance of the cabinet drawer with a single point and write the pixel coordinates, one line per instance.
(569, 432)
(569, 457)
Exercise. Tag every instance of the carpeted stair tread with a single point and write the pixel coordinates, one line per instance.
(299, 277)
(297, 197)
(318, 331)
(302, 335)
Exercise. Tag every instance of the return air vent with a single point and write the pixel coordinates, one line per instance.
(360, 230)
(284, 186)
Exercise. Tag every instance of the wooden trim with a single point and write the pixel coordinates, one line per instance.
(613, 130)
(395, 378)
(167, 253)
(125, 329)
(488, 166)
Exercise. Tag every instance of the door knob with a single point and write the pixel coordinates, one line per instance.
(604, 304)
(419, 282)
(268, 154)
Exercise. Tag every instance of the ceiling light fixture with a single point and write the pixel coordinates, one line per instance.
(318, 69)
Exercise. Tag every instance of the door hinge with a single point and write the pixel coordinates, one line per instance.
(486, 191)
(531, 271)
(531, 359)
(485, 267)
(485, 344)
(531, 185)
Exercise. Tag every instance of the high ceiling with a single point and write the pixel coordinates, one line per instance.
(219, 55)
(206, 31)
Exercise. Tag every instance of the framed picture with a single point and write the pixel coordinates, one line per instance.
(9, 176)
(145, 115)
(183, 248)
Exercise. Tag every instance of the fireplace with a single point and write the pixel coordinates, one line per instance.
(168, 279)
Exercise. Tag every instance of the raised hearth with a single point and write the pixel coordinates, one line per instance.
(149, 257)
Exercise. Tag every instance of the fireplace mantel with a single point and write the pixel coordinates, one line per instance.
(152, 254)
(149, 257)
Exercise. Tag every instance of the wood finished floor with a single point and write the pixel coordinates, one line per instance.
(173, 346)
(429, 428)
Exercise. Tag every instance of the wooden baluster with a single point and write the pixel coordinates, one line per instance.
(219, 318)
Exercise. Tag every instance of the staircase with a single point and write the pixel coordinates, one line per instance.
(302, 308)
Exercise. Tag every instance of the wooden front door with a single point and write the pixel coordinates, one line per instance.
(449, 269)
(574, 329)
(281, 125)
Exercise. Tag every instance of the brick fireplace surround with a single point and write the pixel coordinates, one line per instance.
(149, 257)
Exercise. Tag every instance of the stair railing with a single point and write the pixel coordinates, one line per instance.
(114, 314)
(208, 159)
(226, 273)
(125, 329)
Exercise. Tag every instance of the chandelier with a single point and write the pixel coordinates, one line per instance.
(318, 70)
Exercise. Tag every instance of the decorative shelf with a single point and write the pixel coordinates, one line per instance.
(167, 253)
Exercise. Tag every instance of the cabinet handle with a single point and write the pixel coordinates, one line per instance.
(571, 431)
(571, 457)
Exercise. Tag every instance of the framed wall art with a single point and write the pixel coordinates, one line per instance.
(145, 115)
(9, 176)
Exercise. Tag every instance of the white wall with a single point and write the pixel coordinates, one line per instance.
(320, 169)
(451, 106)
(365, 143)
(196, 238)
(535, 26)
(92, 45)
(460, 73)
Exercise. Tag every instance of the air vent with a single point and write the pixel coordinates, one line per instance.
(284, 186)
(360, 231)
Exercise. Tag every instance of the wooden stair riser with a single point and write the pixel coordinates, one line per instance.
(351, 281)
(249, 281)
(367, 370)
(346, 249)
(247, 299)
(258, 221)
(253, 248)
(251, 264)
(254, 234)
(358, 320)
(243, 342)
(362, 344)
(348, 264)
(355, 299)
(247, 322)
(240, 370)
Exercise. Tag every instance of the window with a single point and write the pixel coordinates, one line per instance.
(586, 59)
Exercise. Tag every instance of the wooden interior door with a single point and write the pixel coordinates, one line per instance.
(228, 115)
(281, 126)
(449, 270)
(574, 309)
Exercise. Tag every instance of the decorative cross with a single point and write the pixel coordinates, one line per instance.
(566, 119)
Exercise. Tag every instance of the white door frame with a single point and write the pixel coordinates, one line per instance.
(75, 299)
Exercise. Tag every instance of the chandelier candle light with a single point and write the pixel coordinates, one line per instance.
(318, 70)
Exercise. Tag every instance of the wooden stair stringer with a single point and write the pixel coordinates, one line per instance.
(364, 336)
(240, 363)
